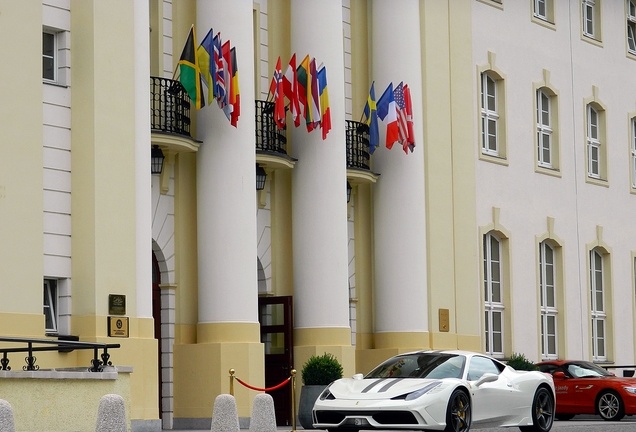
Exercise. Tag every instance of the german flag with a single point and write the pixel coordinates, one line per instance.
(189, 71)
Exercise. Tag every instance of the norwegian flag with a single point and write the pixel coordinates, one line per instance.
(276, 89)
(398, 94)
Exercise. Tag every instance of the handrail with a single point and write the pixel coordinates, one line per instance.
(357, 136)
(169, 107)
(97, 365)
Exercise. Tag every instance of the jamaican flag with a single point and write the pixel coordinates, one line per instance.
(189, 71)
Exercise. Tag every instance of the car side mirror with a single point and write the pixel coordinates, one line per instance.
(559, 375)
(486, 378)
(358, 376)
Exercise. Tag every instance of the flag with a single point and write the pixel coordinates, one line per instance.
(313, 98)
(388, 114)
(219, 80)
(276, 89)
(409, 117)
(303, 80)
(398, 93)
(325, 113)
(290, 88)
(235, 95)
(227, 65)
(371, 119)
(189, 72)
(205, 56)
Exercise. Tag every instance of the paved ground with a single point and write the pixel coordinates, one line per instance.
(577, 424)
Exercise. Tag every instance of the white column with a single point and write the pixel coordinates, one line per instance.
(226, 180)
(319, 179)
(142, 161)
(399, 202)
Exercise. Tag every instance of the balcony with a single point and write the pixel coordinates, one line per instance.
(358, 156)
(169, 107)
(271, 142)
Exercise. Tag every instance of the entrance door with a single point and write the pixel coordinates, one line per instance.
(156, 314)
(275, 316)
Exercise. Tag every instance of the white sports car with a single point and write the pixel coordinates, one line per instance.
(438, 390)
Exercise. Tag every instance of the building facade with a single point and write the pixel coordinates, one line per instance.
(506, 229)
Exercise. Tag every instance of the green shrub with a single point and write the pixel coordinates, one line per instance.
(521, 363)
(321, 370)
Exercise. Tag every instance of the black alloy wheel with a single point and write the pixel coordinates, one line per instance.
(542, 411)
(458, 413)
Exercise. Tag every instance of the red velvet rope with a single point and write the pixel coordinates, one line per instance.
(276, 387)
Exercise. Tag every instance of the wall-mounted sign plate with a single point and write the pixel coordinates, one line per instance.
(116, 304)
(118, 327)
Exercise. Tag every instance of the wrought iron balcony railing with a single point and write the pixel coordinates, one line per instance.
(357, 145)
(268, 137)
(169, 107)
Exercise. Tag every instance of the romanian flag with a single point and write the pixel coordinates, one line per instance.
(205, 55)
(313, 98)
(371, 116)
(325, 113)
(304, 82)
(235, 94)
(387, 112)
(290, 88)
(189, 71)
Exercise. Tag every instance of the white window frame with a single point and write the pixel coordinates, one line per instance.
(598, 312)
(50, 306)
(593, 143)
(631, 26)
(493, 287)
(53, 57)
(489, 117)
(548, 301)
(589, 23)
(544, 129)
(633, 150)
(538, 4)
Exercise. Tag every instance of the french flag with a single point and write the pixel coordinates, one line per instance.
(388, 114)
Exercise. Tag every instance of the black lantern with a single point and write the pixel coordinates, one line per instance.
(260, 177)
(156, 160)
(348, 192)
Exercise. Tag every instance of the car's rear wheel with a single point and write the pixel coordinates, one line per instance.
(458, 413)
(542, 411)
(610, 406)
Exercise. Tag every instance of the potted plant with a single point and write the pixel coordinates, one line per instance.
(316, 374)
(521, 363)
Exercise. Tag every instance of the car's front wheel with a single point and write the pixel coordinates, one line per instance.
(458, 413)
(610, 406)
(542, 411)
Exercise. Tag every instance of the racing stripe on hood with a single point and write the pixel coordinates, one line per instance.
(389, 385)
(370, 386)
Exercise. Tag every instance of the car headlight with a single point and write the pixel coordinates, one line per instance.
(326, 394)
(631, 390)
(418, 393)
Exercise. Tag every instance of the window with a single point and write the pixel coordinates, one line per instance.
(50, 305)
(482, 365)
(493, 295)
(633, 150)
(544, 129)
(548, 295)
(593, 143)
(489, 115)
(599, 316)
(49, 63)
(631, 26)
(591, 19)
(540, 9)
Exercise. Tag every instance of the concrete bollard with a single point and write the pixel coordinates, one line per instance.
(111, 415)
(7, 424)
(225, 415)
(263, 414)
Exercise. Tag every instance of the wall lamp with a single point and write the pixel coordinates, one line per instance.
(348, 192)
(156, 160)
(261, 176)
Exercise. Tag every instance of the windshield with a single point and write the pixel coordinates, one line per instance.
(422, 365)
(586, 370)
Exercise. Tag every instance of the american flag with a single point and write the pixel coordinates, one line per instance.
(400, 107)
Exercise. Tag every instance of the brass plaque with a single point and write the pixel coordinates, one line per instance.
(116, 304)
(444, 320)
(118, 327)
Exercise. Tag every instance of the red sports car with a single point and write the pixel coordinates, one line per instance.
(585, 388)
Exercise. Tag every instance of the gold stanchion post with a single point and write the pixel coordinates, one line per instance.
(232, 381)
(293, 391)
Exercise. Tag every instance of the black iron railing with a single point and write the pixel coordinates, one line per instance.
(29, 346)
(357, 145)
(268, 137)
(169, 107)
